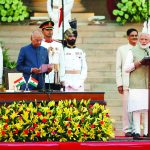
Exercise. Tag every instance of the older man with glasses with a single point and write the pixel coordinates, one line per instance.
(122, 79)
(30, 59)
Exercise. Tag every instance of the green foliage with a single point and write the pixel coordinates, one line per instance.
(6, 59)
(13, 10)
(131, 11)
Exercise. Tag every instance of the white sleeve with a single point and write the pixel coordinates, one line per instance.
(119, 79)
(84, 67)
(62, 64)
(67, 7)
(53, 13)
(1, 65)
(129, 64)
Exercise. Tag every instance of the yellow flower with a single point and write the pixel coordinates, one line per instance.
(13, 115)
(43, 133)
(41, 126)
(77, 132)
(95, 110)
(5, 117)
(60, 129)
(7, 111)
(25, 115)
(51, 103)
(32, 137)
(67, 121)
(19, 125)
(63, 140)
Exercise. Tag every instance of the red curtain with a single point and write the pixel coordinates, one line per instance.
(111, 5)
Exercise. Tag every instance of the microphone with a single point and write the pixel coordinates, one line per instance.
(49, 86)
(43, 81)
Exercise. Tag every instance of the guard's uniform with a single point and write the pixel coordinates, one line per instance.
(54, 7)
(75, 69)
(56, 57)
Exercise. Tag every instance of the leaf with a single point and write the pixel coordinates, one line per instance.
(4, 19)
(126, 16)
(15, 18)
(9, 19)
(115, 12)
(2, 1)
(7, 6)
(121, 13)
(3, 13)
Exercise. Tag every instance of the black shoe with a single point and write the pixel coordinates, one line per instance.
(145, 135)
(137, 137)
(133, 134)
(128, 134)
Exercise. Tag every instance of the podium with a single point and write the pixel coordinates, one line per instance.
(146, 61)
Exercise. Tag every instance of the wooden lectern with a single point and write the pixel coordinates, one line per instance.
(146, 61)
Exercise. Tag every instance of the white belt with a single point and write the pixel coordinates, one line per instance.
(72, 71)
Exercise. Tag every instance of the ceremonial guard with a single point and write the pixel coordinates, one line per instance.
(58, 13)
(56, 56)
(75, 63)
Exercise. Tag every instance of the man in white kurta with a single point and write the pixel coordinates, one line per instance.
(54, 8)
(75, 64)
(138, 83)
(1, 65)
(56, 56)
(122, 79)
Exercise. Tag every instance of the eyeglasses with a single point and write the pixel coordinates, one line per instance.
(37, 40)
(133, 35)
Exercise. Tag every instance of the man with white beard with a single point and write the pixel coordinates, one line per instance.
(54, 8)
(138, 83)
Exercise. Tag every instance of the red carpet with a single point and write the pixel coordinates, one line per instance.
(111, 145)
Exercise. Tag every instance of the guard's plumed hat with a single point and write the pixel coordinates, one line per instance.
(70, 31)
(49, 24)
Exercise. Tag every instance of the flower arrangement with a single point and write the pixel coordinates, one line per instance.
(67, 120)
